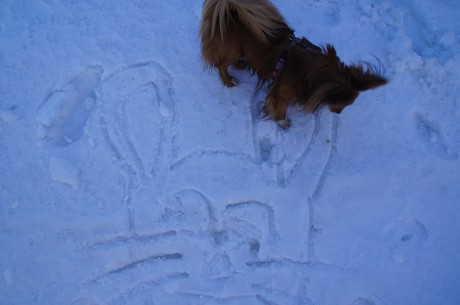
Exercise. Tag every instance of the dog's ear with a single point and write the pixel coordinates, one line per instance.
(330, 51)
(363, 79)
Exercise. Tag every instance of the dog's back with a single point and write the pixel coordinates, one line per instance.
(259, 16)
(232, 29)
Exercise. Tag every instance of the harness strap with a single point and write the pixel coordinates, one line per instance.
(294, 41)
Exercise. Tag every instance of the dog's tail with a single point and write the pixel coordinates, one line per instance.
(259, 16)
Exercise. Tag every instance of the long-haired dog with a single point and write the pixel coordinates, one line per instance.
(252, 34)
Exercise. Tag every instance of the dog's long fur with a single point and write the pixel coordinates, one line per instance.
(253, 34)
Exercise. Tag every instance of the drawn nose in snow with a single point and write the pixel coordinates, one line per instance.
(62, 117)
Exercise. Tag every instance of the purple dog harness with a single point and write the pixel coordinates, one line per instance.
(294, 41)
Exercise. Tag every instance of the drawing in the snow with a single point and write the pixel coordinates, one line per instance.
(131, 175)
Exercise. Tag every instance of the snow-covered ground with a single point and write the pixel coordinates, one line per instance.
(130, 175)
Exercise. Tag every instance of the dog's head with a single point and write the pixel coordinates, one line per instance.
(338, 85)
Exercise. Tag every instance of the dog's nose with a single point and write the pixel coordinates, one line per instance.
(338, 111)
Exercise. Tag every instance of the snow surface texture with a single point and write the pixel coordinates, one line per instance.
(130, 175)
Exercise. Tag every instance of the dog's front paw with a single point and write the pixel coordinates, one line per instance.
(285, 124)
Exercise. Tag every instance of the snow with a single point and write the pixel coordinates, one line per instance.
(63, 171)
(130, 175)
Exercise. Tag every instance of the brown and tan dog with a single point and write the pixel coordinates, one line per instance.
(253, 34)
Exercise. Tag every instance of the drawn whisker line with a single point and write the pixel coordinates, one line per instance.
(264, 300)
(273, 291)
(286, 261)
(219, 299)
(135, 237)
(134, 264)
(151, 284)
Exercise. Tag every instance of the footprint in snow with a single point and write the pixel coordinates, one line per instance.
(63, 115)
(404, 238)
(433, 140)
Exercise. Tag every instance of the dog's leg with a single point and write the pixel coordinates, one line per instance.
(276, 105)
(285, 124)
(226, 78)
(277, 110)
